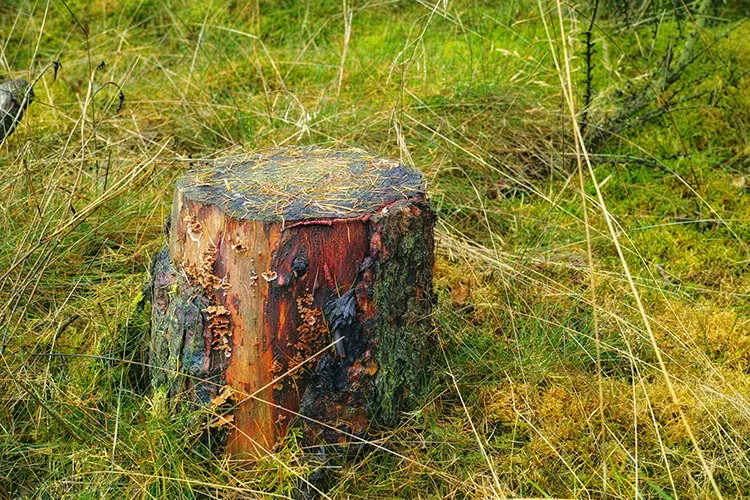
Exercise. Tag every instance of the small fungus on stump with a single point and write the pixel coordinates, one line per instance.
(295, 283)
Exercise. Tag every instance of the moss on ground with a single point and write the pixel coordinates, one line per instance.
(466, 91)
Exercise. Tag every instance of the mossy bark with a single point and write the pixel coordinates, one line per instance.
(403, 295)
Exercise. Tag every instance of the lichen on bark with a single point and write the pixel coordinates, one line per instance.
(403, 297)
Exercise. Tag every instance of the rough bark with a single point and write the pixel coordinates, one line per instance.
(262, 274)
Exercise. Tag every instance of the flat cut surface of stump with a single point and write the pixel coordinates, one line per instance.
(295, 284)
(301, 183)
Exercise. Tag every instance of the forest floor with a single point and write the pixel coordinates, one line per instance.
(593, 311)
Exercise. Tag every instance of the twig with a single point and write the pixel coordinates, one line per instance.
(589, 70)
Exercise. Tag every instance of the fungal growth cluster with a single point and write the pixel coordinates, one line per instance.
(218, 326)
(312, 334)
(203, 272)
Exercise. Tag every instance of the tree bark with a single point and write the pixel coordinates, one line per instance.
(295, 283)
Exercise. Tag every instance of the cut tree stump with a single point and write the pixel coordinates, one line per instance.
(301, 278)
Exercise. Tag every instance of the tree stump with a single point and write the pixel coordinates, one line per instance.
(301, 278)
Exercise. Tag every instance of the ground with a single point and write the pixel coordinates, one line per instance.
(565, 368)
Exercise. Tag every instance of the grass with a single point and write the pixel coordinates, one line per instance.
(541, 388)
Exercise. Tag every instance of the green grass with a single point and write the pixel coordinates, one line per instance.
(466, 91)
